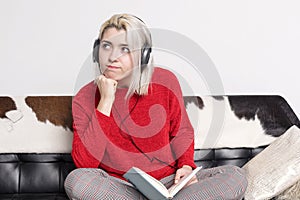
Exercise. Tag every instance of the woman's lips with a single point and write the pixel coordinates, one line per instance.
(112, 67)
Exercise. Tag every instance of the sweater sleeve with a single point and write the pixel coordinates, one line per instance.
(89, 142)
(181, 130)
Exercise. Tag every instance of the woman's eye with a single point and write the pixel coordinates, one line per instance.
(125, 50)
(105, 46)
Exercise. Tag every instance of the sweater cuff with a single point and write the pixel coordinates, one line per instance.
(189, 163)
(103, 120)
(101, 116)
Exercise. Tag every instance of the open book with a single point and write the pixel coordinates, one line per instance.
(154, 189)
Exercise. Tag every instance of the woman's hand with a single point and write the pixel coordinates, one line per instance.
(107, 88)
(185, 170)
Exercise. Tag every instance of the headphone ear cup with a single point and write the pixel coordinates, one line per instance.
(146, 51)
(96, 47)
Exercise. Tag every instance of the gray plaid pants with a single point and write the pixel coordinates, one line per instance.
(225, 182)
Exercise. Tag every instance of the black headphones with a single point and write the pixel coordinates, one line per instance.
(145, 52)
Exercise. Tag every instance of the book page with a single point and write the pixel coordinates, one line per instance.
(182, 182)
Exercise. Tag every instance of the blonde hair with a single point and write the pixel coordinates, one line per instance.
(138, 36)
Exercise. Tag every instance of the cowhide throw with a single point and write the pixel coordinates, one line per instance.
(44, 123)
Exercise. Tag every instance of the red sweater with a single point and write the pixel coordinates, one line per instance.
(151, 132)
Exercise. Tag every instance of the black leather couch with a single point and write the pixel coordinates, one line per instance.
(41, 176)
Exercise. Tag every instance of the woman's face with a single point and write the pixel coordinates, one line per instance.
(115, 56)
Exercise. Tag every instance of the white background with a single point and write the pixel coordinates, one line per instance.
(255, 44)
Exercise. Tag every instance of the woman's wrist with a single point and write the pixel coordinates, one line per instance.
(105, 107)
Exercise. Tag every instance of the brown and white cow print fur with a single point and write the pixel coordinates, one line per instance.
(35, 124)
(44, 123)
(248, 121)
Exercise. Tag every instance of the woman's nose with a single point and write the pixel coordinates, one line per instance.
(114, 55)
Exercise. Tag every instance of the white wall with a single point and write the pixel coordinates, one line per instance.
(253, 44)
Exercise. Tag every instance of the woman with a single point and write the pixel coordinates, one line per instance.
(133, 115)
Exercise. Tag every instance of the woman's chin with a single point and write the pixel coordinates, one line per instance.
(111, 76)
